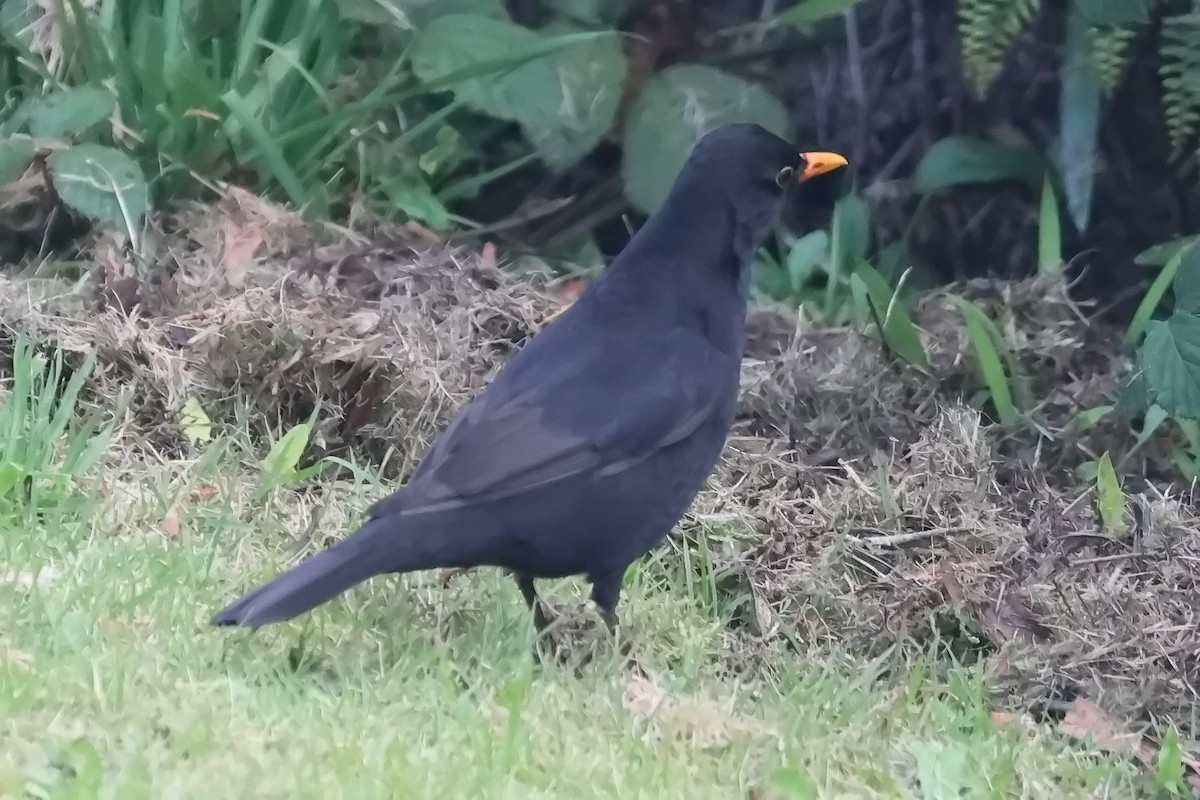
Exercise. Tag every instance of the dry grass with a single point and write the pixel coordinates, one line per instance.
(883, 511)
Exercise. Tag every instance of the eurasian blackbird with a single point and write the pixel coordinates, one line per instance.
(593, 440)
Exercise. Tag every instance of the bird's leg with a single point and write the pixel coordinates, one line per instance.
(606, 593)
(541, 620)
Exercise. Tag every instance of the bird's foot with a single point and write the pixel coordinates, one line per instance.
(578, 641)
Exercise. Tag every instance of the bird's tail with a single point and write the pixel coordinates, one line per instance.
(375, 548)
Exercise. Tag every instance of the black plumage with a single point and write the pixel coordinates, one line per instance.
(593, 440)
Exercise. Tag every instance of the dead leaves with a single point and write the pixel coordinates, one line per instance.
(1085, 720)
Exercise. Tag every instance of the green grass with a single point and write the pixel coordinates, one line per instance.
(113, 685)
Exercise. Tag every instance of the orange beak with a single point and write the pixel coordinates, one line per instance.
(817, 163)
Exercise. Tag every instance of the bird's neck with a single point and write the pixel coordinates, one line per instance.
(692, 247)
(686, 262)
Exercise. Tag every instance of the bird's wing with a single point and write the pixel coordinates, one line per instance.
(601, 414)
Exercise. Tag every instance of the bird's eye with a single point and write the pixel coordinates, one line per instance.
(784, 177)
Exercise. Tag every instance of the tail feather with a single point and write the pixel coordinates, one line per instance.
(374, 549)
(304, 587)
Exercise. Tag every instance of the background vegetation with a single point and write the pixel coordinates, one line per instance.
(1019, 228)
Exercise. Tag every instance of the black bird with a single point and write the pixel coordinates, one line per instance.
(593, 440)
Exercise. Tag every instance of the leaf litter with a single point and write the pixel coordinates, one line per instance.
(858, 504)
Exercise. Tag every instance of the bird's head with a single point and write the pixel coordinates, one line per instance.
(750, 169)
(754, 167)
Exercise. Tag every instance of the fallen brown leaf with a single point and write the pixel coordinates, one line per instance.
(237, 255)
(1086, 719)
(487, 256)
(205, 491)
(170, 524)
(568, 291)
(1002, 718)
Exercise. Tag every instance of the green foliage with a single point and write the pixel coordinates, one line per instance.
(564, 100)
(987, 29)
(46, 444)
(15, 156)
(1170, 771)
(1170, 360)
(101, 182)
(1180, 75)
(1110, 499)
(1108, 52)
(68, 113)
(988, 345)
(98, 181)
(1152, 298)
(1050, 255)
(958, 160)
(1166, 386)
(807, 12)
(407, 103)
(281, 466)
(1079, 122)
(895, 326)
(675, 108)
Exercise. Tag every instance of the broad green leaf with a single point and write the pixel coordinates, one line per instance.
(1186, 286)
(15, 155)
(591, 80)
(1170, 359)
(895, 325)
(1133, 398)
(194, 423)
(564, 97)
(69, 112)
(807, 12)
(1079, 123)
(1049, 233)
(957, 160)
(807, 253)
(1113, 12)
(674, 109)
(281, 462)
(101, 183)
(1110, 499)
(1160, 254)
(1151, 299)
